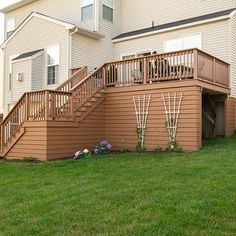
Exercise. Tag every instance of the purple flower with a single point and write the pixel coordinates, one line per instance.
(109, 146)
(96, 151)
(77, 154)
(104, 143)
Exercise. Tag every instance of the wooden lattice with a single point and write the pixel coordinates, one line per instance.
(172, 105)
(141, 106)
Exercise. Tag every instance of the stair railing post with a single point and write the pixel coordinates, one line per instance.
(104, 76)
(27, 106)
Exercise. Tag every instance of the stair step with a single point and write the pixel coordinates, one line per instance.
(88, 104)
(93, 99)
(98, 95)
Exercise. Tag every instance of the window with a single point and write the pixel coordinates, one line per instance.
(86, 9)
(10, 27)
(53, 60)
(184, 42)
(108, 10)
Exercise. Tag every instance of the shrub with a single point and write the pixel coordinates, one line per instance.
(125, 149)
(29, 159)
(103, 148)
(158, 149)
(81, 154)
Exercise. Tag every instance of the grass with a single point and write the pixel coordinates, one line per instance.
(123, 194)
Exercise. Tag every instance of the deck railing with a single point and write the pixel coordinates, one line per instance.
(180, 65)
(80, 74)
(36, 106)
(87, 88)
(62, 103)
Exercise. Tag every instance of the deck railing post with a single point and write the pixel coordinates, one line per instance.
(145, 71)
(214, 70)
(196, 64)
(46, 105)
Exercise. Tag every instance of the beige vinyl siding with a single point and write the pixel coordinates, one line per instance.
(215, 37)
(138, 14)
(95, 52)
(38, 34)
(233, 55)
(68, 11)
(20, 87)
(37, 72)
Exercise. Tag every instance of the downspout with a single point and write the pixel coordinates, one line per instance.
(70, 49)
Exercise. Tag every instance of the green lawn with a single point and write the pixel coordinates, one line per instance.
(123, 194)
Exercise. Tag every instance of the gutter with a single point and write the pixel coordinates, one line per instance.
(173, 28)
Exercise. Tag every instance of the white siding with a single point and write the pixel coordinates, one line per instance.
(215, 38)
(138, 14)
(20, 87)
(37, 72)
(38, 34)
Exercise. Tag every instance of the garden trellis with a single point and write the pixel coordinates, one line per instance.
(172, 105)
(141, 106)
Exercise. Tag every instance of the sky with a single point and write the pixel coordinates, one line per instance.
(4, 3)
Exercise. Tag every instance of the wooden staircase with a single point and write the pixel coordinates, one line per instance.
(74, 100)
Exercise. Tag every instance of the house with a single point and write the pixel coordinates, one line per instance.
(72, 70)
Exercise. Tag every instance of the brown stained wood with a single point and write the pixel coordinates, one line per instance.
(230, 114)
(58, 123)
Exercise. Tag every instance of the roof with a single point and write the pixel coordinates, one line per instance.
(67, 25)
(175, 24)
(18, 3)
(27, 54)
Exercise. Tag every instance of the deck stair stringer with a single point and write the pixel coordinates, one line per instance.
(17, 136)
(85, 110)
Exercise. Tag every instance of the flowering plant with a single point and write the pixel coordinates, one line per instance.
(81, 154)
(103, 148)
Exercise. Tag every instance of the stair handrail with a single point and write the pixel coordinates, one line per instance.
(88, 87)
(69, 83)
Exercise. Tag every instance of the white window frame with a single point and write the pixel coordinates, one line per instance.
(11, 28)
(109, 6)
(53, 65)
(84, 4)
(182, 40)
(136, 53)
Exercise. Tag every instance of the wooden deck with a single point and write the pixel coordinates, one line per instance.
(52, 124)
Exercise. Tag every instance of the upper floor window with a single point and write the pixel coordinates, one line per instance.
(86, 9)
(184, 42)
(107, 10)
(53, 60)
(10, 26)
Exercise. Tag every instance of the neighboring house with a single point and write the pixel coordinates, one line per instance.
(46, 39)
